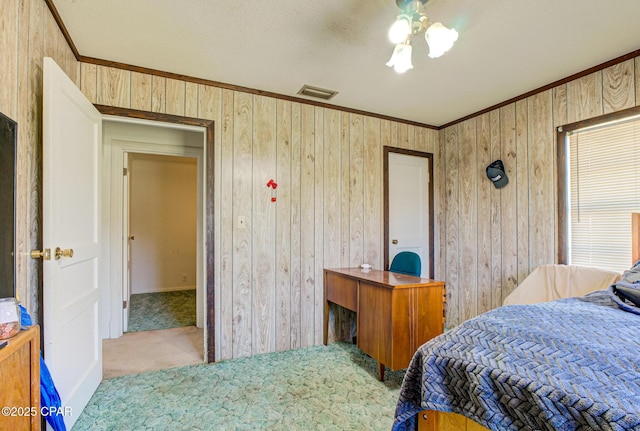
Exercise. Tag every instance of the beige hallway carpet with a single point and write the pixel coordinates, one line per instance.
(137, 352)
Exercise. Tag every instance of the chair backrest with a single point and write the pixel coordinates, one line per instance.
(406, 262)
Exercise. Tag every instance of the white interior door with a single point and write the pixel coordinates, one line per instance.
(72, 131)
(409, 207)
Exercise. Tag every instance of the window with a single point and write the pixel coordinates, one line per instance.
(603, 186)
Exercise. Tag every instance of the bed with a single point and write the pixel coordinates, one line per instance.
(569, 364)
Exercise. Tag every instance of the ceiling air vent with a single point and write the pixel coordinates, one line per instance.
(319, 93)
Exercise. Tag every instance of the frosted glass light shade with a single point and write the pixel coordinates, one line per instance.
(399, 30)
(440, 39)
(401, 58)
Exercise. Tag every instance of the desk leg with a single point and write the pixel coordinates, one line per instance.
(381, 371)
(325, 334)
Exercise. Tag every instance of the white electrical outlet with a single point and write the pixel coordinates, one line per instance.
(242, 222)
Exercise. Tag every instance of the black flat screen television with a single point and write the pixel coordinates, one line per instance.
(8, 136)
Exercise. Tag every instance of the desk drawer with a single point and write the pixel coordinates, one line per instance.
(342, 290)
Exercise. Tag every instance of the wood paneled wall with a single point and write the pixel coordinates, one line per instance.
(493, 238)
(329, 169)
(28, 32)
(328, 213)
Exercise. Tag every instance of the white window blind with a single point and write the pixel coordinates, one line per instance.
(604, 177)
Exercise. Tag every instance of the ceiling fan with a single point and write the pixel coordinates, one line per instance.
(414, 21)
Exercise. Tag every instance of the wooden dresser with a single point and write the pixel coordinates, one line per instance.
(396, 313)
(20, 381)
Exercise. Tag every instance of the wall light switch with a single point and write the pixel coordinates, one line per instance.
(242, 222)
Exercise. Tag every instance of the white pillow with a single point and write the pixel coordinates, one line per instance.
(550, 282)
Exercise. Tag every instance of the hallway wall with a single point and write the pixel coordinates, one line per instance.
(163, 206)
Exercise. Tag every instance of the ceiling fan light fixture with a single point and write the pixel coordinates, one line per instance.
(440, 39)
(413, 21)
(400, 29)
(401, 58)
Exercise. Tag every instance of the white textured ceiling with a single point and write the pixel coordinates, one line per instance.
(505, 47)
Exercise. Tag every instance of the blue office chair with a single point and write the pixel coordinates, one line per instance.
(406, 262)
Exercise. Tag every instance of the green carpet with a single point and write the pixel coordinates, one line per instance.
(164, 310)
(332, 387)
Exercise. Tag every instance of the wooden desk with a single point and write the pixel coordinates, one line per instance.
(396, 313)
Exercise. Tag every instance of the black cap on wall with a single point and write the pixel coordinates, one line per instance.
(497, 174)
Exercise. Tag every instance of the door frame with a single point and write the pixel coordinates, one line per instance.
(385, 159)
(208, 234)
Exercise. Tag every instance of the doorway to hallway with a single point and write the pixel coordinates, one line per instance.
(156, 243)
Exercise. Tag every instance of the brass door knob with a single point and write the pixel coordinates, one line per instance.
(67, 252)
(394, 241)
(41, 254)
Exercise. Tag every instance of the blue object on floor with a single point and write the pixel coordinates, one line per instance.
(50, 399)
(50, 402)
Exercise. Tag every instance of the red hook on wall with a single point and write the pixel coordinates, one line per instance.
(273, 186)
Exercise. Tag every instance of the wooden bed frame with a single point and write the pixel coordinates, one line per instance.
(429, 420)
